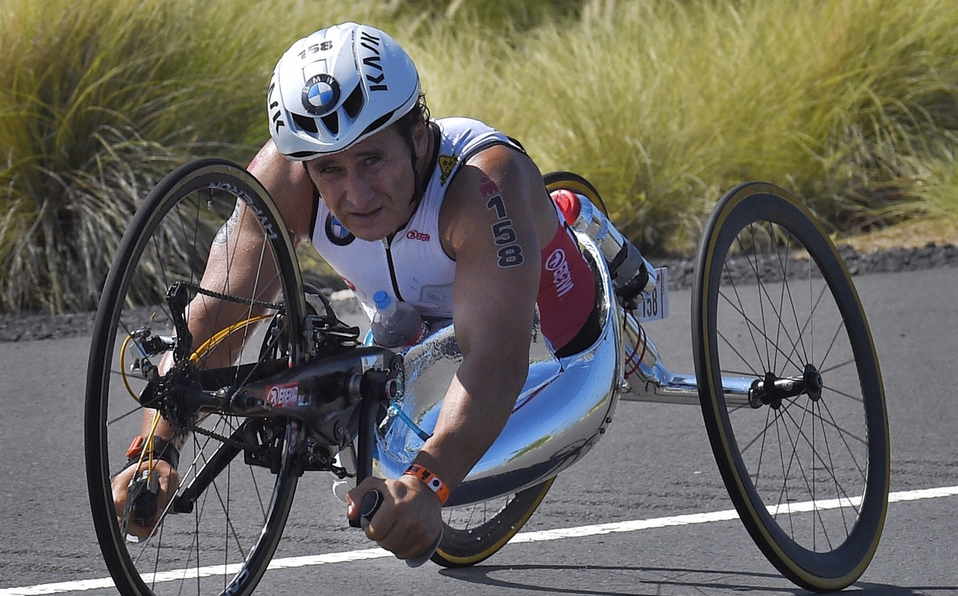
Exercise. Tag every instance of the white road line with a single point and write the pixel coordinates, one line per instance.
(541, 536)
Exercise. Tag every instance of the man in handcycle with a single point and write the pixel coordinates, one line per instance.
(448, 215)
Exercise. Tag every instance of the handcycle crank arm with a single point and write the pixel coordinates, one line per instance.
(307, 392)
(229, 449)
(373, 499)
(321, 393)
(365, 445)
(209, 393)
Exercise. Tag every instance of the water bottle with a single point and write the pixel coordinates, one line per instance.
(631, 273)
(396, 323)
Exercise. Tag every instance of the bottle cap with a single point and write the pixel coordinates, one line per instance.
(382, 299)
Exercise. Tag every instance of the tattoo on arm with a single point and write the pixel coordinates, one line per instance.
(223, 235)
(503, 234)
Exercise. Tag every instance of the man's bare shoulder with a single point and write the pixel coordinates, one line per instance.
(288, 184)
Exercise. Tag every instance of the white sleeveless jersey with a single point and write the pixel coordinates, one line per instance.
(412, 266)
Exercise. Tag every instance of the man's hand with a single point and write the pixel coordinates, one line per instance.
(168, 480)
(408, 522)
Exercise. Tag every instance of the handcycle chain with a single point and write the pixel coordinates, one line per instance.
(337, 470)
(229, 298)
(208, 433)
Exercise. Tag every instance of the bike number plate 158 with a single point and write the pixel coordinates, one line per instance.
(654, 305)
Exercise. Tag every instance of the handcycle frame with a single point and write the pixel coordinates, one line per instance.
(344, 395)
(363, 378)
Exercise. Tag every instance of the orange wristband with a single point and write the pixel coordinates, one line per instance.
(431, 480)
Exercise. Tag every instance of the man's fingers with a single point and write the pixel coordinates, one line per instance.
(144, 512)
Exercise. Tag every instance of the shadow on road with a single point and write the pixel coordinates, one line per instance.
(651, 581)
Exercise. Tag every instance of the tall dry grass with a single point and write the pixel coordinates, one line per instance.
(852, 104)
(663, 104)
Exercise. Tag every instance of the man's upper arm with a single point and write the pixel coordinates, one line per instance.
(496, 246)
(290, 187)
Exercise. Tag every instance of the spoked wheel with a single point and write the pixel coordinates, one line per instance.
(790, 387)
(473, 533)
(236, 476)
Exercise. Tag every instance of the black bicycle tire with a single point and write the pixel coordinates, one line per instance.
(817, 571)
(176, 185)
(464, 547)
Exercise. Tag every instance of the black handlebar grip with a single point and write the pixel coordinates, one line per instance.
(367, 509)
(144, 508)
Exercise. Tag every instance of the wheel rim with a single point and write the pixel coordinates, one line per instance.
(221, 544)
(475, 532)
(806, 461)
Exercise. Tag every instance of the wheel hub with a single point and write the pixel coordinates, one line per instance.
(772, 389)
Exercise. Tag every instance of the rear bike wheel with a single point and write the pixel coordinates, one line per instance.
(237, 476)
(473, 533)
(802, 442)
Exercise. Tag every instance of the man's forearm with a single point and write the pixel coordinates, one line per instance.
(474, 412)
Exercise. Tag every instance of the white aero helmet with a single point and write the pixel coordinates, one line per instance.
(336, 87)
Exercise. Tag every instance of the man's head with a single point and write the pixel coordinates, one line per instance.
(371, 186)
(336, 87)
(346, 100)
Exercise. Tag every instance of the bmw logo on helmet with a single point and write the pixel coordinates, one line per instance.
(320, 94)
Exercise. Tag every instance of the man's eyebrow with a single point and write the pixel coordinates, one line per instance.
(322, 162)
(368, 151)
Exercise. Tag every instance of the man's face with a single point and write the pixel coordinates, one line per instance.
(368, 187)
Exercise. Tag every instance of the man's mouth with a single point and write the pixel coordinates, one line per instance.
(367, 215)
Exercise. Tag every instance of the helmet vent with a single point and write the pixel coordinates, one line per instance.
(379, 122)
(354, 103)
(331, 121)
(307, 124)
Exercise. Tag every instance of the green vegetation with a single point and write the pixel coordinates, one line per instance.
(664, 105)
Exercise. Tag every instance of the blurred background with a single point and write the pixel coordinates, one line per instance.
(663, 104)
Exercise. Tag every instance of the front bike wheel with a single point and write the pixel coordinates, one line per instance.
(237, 476)
(473, 533)
(790, 387)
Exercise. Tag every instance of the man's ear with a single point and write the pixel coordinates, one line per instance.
(420, 136)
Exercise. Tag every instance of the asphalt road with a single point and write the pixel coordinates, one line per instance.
(654, 463)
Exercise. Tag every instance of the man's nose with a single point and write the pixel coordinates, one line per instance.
(359, 193)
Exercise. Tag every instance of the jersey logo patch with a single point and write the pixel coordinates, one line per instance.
(446, 164)
(336, 233)
(417, 235)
